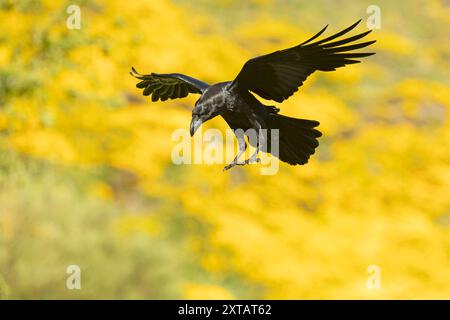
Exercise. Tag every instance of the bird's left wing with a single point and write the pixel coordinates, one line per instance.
(168, 86)
(278, 75)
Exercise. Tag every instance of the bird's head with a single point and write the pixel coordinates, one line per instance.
(201, 113)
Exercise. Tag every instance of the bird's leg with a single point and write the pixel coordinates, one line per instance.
(235, 162)
(259, 142)
(242, 147)
(253, 159)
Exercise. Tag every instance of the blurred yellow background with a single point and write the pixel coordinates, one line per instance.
(86, 176)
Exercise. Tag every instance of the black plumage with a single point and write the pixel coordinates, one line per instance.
(275, 76)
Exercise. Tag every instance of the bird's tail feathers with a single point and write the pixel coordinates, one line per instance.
(297, 138)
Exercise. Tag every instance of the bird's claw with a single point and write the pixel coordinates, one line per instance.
(233, 164)
(253, 160)
(243, 163)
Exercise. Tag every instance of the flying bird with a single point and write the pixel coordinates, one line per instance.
(275, 76)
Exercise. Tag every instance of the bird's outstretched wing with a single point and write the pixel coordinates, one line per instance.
(278, 75)
(168, 86)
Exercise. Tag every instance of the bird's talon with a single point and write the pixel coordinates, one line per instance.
(252, 160)
(233, 164)
(228, 167)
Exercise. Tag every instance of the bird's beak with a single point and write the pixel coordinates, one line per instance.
(196, 122)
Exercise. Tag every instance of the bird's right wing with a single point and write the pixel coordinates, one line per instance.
(168, 86)
(278, 75)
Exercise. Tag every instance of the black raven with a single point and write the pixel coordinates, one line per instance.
(275, 76)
